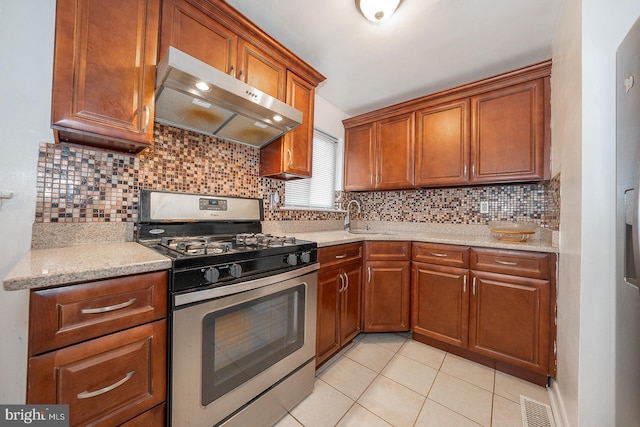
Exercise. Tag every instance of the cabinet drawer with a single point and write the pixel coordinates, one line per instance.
(67, 315)
(331, 255)
(439, 254)
(526, 264)
(156, 417)
(387, 251)
(107, 380)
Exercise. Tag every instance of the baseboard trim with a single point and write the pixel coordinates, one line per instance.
(557, 406)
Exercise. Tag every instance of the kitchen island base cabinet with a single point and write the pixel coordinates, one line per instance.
(339, 299)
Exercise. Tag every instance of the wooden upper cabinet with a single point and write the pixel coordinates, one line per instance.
(508, 135)
(380, 155)
(442, 144)
(185, 26)
(104, 72)
(291, 156)
(490, 131)
(195, 27)
(359, 147)
(394, 152)
(257, 68)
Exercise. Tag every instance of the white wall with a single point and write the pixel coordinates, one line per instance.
(328, 118)
(566, 124)
(26, 49)
(583, 130)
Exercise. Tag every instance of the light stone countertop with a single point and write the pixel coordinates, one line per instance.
(329, 238)
(53, 261)
(67, 253)
(453, 234)
(45, 267)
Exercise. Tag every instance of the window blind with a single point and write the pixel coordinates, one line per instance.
(318, 191)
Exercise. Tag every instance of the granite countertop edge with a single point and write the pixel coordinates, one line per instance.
(63, 265)
(329, 238)
(45, 267)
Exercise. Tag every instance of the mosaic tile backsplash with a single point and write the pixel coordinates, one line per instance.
(81, 184)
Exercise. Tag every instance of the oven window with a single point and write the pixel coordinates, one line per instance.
(241, 341)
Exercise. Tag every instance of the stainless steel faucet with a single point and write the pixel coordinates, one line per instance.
(347, 219)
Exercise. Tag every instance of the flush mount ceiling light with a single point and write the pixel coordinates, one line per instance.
(377, 10)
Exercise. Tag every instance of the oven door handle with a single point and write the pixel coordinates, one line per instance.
(221, 291)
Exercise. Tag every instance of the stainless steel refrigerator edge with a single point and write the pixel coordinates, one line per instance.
(627, 347)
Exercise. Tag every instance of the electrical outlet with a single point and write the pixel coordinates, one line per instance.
(484, 207)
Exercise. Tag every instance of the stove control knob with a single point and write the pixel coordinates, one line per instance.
(305, 257)
(235, 270)
(212, 275)
(292, 259)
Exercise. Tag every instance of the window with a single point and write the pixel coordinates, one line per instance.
(317, 192)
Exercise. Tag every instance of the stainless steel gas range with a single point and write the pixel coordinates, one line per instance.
(243, 309)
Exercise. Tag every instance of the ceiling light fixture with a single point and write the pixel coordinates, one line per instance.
(377, 10)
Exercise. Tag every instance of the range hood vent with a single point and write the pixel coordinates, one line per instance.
(229, 109)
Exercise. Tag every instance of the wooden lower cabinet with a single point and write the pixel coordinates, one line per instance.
(339, 308)
(495, 307)
(387, 286)
(509, 320)
(339, 313)
(101, 348)
(105, 381)
(440, 303)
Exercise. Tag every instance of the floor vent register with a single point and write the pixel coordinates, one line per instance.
(535, 414)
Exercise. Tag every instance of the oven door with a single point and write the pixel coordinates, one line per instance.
(229, 350)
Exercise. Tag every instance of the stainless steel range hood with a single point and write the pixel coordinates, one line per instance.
(229, 109)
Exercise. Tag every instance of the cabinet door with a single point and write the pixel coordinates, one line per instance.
(105, 381)
(328, 315)
(350, 324)
(104, 72)
(395, 152)
(260, 69)
(442, 144)
(508, 135)
(509, 320)
(189, 27)
(386, 296)
(299, 142)
(440, 303)
(359, 158)
(291, 155)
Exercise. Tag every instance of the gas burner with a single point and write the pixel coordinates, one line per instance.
(205, 245)
(265, 240)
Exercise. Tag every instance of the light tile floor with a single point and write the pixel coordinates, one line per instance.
(391, 380)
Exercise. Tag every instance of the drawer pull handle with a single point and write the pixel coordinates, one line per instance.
(341, 256)
(109, 307)
(107, 389)
(506, 262)
(438, 255)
